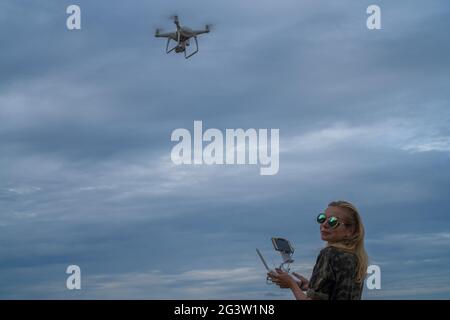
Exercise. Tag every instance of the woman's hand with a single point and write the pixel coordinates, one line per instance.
(281, 278)
(284, 280)
(305, 282)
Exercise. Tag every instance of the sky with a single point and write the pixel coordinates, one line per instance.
(86, 118)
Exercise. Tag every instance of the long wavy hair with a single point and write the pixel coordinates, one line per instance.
(355, 243)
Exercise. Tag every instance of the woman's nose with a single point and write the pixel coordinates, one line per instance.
(325, 224)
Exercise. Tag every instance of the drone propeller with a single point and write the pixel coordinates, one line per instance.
(209, 27)
(175, 18)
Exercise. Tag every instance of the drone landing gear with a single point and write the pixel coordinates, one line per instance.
(168, 44)
(194, 52)
(179, 45)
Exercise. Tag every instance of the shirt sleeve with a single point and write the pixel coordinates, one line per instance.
(333, 277)
(344, 268)
(323, 278)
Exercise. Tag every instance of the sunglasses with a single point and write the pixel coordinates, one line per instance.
(333, 222)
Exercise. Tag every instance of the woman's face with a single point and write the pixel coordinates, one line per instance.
(339, 233)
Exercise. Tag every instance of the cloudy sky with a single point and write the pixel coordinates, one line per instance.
(86, 118)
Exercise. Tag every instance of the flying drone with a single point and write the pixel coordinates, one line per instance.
(182, 37)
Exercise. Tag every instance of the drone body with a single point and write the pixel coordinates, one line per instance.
(182, 37)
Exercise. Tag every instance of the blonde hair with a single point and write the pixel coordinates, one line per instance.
(354, 244)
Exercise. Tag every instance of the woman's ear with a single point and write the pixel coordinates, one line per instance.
(352, 232)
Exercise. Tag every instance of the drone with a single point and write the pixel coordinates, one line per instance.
(182, 36)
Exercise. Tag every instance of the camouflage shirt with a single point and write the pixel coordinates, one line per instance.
(333, 277)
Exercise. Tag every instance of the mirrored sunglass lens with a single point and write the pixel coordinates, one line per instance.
(321, 218)
(332, 221)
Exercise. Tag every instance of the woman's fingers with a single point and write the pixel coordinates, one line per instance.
(281, 278)
(297, 276)
(300, 277)
(281, 284)
(280, 271)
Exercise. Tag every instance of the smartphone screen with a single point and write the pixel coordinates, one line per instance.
(281, 244)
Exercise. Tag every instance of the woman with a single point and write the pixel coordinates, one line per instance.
(341, 266)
